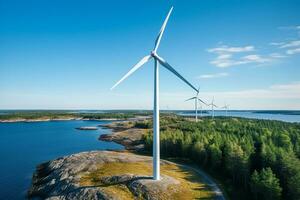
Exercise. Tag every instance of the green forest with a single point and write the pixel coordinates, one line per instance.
(253, 159)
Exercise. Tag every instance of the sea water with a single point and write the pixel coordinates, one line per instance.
(24, 145)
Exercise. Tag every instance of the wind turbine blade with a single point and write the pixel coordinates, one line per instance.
(170, 68)
(135, 67)
(162, 29)
(202, 101)
(198, 90)
(190, 99)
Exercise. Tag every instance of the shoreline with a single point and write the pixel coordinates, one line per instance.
(128, 136)
(56, 119)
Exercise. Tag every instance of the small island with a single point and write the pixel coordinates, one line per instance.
(87, 128)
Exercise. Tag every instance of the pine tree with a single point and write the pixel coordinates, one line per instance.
(255, 181)
(265, 185)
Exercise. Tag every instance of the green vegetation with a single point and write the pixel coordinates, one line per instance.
(265, 185)
(52, 115)
(190, 186)
(254, 159)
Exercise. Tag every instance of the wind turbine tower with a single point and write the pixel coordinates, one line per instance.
(196, 98)
(212, 108)
(226, 107)
(157, 60)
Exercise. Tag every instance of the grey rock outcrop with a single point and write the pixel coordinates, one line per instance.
(60, 179)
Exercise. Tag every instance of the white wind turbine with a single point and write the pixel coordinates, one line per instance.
(157, 59)
(212, 107)
(226, 107)
(196, 98)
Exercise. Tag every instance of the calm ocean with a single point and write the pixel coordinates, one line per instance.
(24, 145)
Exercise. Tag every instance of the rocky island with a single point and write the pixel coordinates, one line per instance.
(126, 134)
(87, 128)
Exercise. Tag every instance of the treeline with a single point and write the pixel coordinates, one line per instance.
(255, 159)
(31, 115)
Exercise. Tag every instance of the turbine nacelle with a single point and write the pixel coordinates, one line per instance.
(153, 54)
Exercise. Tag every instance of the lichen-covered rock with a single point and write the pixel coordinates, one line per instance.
(60, 178)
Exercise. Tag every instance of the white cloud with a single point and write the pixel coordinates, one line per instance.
(224, 56)
(224, 63)
(277, 55)
(277, 91)
(254, 58)
(226, 60)
(291, 47)
(218, 75)
(228, 63)
(278, 96)
(230, 56)
(293, 51)
(227, 49)
(276, 43)
(294, 43)
(295, 86)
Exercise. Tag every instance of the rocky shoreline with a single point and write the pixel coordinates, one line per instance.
(129, 137)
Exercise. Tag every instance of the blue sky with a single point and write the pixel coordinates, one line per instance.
(68, 54)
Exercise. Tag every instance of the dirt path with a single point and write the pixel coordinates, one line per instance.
(207, 180)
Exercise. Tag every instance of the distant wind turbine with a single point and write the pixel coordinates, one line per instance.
(226, 107)
(196, 98)
(201, 110)
(157, 60)
(212, 108)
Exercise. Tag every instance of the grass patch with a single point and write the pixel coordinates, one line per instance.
(190, 187)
